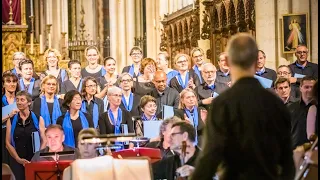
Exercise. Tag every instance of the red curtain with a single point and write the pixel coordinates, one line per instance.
(16, 9)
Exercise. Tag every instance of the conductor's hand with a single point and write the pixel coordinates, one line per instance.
(22, 161)
(185, 170)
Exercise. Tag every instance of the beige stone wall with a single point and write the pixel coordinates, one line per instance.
(269, 28)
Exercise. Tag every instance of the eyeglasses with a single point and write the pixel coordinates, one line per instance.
(302, 52)
(116, 95)
(126, 80)
(51, 84)
(173, 134)
(92, 86)
(283, 73)
(180, 62)
(135, 54)
(198, 56)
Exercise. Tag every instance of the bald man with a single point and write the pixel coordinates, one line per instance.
(163, 94)
(210, 88)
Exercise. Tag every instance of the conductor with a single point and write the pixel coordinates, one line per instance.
(247, 135)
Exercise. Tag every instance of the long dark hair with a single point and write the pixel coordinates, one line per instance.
(8, 75)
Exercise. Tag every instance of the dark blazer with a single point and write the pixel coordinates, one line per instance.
(245, 121)
(136, 110)
(36, 89)
(175, 84)
(269, 74)
(311, 69)
(107, 128)
(126, 69)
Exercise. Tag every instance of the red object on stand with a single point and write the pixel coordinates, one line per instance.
(152, 153)
(47, 170)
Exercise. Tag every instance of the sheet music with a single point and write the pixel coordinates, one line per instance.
(8, 109)
(35, 141)
(125, 131)
(167, 112)
(296, 75)
(266, 83)
(151, 128)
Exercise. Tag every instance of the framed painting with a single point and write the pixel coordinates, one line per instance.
(295, 30)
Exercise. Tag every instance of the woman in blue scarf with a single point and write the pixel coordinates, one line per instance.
(27, 81)
(48, 105)
(73, 121)
(189, 111)
(19, 134)
(90, 103)
(10, 88)
(112, 121)
(94, 69)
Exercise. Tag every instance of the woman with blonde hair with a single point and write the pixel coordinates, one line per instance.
(53, 57)
(185, 78)
(94, 69)
(189, 110)
(48, 105)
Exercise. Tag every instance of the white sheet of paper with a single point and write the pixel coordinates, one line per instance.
(151, 128)
(35, 141)
(167, 112)
(266, 83)
(215, 95)
(296, 75)
(7, 109)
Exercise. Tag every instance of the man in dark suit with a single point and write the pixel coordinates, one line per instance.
(248, 132)
(163, 94)
(223, 72)
(136, 55)
(283, 89)
(210, 88)
(263, 71)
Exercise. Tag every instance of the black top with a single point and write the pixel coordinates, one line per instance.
(37, 158)
(76, 124)
(135, 111)
(126, 69)
(158, 145)
(311, 69)
(102, 82)
(245, 121)
(106, 127)
(180, 114)
(166, 168)
(203, 92)
(299, 111)
(269, 74)
(68, 86)
(143, 88)
(89, 107)
(23, 137)
(35, 90)
(36, 107)
(222, 78)
(175, 84)
(85, 73)
(169, 97)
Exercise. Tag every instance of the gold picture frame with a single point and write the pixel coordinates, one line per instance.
(295, 31)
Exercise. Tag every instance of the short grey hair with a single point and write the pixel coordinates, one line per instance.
(207, 64)
(113, 90)
(164, 124)
(18, 53)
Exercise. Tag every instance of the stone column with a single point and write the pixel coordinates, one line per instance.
(130, 30)
(121, 45)
(113, 6)
(314, 31)
(139, 30)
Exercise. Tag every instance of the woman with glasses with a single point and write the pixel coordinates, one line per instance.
(48, 105)
(17, 58)
(143, 84)
(184, 78)
(94, 69)
(90, 103)
(115, 119)
(20, 129)
(129, 100)
(189, 111)
(74, 120)
(53, 57)
(27, 81)
(75, 80)
(10, 87)
(136, 56)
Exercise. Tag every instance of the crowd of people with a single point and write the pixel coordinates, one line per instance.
(213, 108)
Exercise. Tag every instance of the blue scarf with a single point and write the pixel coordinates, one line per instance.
(226, 74)
(194, 119)
(103, 71)
(68, 129)
(117, 124)
(63, 74)
(211, 87)
(197, 71)
(153, 118)
(5, 101)
(14, 124)
(299, 66)
(105, 103)
(22, 86)
(80, 85)
(259, 73)
(44, 111)
(171, 75)
(14, 71)
(131, 71)
(181, 82)
(95, 113)
(128, 106)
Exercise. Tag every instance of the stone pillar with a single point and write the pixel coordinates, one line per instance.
(313, 56)
(139, 30)
(151, 29)
(121, 45)
(130, 30)
(114, 32)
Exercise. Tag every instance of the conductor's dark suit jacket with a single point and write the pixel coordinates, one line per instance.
(248, 133)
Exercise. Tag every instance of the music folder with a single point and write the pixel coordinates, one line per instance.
(151, 128)
(266, 83)
(35, 141)
(167, 112)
